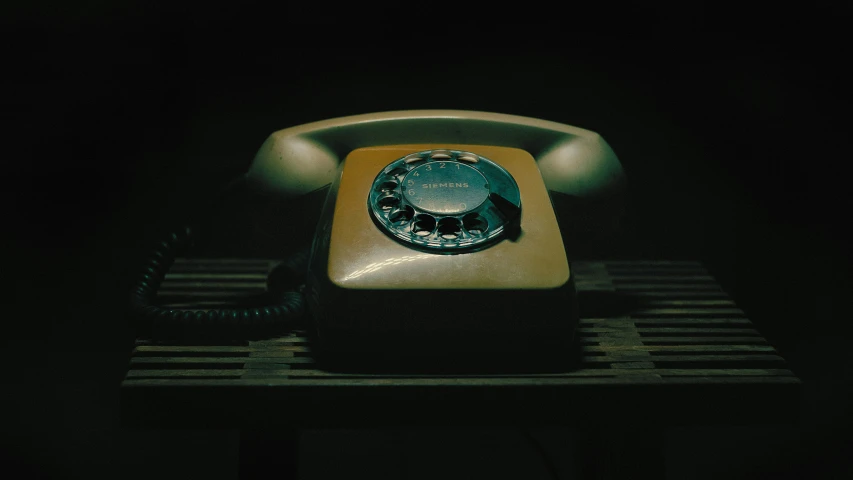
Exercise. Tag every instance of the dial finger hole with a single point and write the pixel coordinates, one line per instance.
(387, 186)
(475, 224)
(449, 228)
(388, 201)
(401, 215)
(397, 172)
(467, 157)
(423, 225)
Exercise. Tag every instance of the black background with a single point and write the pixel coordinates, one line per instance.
(124, 118)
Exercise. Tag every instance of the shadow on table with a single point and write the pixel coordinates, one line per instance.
(476, 354)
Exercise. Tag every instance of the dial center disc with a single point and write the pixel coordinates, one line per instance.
(446, 188)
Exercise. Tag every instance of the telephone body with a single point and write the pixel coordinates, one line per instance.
(438, 234)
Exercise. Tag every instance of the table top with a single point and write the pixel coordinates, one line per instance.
(660, 342)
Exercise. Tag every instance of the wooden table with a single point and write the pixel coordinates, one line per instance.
(661, 344)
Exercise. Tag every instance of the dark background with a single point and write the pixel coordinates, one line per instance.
(125, 118)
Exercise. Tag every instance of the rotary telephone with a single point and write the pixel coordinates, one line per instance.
(440, 232)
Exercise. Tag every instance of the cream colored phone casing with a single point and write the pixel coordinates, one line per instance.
(366, 286)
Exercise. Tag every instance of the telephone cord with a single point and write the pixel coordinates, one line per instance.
(288, 305)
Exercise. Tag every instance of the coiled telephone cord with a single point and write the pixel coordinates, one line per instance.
(287, 304)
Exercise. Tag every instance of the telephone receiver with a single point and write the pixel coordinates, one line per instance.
(439, 233)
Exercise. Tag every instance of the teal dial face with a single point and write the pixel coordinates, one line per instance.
(445, 201)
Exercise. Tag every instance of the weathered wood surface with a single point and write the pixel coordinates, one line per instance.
(678, 351)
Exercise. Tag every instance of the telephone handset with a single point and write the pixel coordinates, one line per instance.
(438, 232)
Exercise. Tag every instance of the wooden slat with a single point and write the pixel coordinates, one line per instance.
(675, 330)
(289, 340)
(654, 279)
(602, 344)
(184, 304)
(640, 263)
(173, 277)
(231, 294)
(616, 270)
(593, 285)
(593, 372)
(669, 302)
(686, 311)
(283, 358)
(685, 294)
(175, 373)
(669, 287)
(684, 358)
(217, 286)
(219, 348)
(221, 266)
(597, 372)
(221, 269)
(706, 340)
(611, 356)
(445, 382)
(677, 348)
(213, 261)
(664, 321)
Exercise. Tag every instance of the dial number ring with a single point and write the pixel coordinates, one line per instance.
(445, 201)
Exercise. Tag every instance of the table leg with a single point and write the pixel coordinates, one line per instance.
(269, 454)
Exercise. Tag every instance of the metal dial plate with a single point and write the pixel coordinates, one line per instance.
(446, 201)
